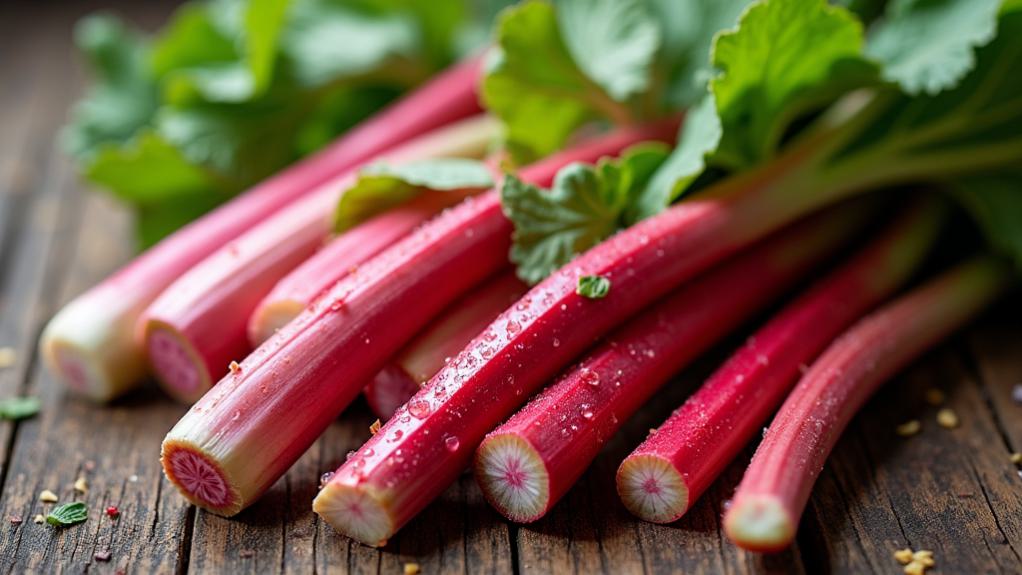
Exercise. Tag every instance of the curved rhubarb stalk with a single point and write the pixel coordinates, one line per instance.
(665, 475)
(198, 325)
(382, 487)
(243, 434)
(776, 486)
(91, 343)
(338, 258)
(528, 463)
(430, 350)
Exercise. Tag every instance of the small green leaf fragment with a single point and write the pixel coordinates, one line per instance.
(382, 186)
(68, 514)
(593, 287)
(17, 408)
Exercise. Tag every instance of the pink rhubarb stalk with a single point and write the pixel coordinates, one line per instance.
(198, 325)
(665, 475)
(244, 433)
(412, 460)
(527, 464)
(776, 486)
(314, 276)
(443, 339)
(91, 343)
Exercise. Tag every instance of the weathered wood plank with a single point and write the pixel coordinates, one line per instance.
(951, 491)
(64, 244)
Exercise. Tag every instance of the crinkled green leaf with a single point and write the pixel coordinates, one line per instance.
(786, 58)
(328, 42)
(614, 43)
(125, 94)
(593, 287)
(68, 514)
(689, 27)
(18, 408)
(700, 135)
(384, 186)
(585, 206)
(927, 46)
(146, 170)
(544, 79)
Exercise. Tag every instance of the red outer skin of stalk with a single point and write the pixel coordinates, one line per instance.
(198, 325)
(793, 452)
(91, 345)
(305, 283)
(701, 437)
(408, 463)
(566, 425)
(245, 431)
(443, 339)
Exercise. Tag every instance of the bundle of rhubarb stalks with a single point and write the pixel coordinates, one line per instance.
(515, 256)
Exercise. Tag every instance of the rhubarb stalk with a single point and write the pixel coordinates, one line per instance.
(381, 488)
(91, 343)
(198, 325)
(443, 339)
(244, 434)
(776, 486)
(528, 463)
(665, 475)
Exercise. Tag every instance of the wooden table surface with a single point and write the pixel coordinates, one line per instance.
(953, 491)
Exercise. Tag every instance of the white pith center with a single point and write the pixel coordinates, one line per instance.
(198, 477)
(513, 478)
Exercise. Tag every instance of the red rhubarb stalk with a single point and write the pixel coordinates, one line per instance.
(443, 339)
(91, 345)
(527, 464)
(198, 325)
(665, 475)
(244, 434)
(776, 486)
(412, 460)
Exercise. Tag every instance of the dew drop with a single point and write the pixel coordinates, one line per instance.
(419, 408)
(451, 443)
(325, 478)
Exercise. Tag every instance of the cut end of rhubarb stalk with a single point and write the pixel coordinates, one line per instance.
(269, 318)
(199, 478)
(389, 390)
(652, 489)
(759, 523)
(97, 359)
(177, 365)
(513, 478)
(355, 511)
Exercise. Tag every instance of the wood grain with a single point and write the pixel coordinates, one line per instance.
(953, 491)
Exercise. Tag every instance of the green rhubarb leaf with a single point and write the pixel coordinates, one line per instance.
(146, 170)
(689, 27)
(372, 43)
(785, 59)
(586, 205)
(927, 46)
(995, 202)
(700, 136)
(124, 95)
(974, 128)
(556, 68)
(381, 187)
(68, 514)
(18, 408)
(593, 287)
